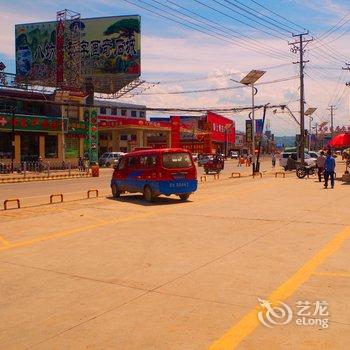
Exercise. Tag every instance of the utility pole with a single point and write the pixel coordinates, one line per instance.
(300, 42)
(332, 109)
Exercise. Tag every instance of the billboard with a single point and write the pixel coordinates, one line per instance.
(109, 48)
(223, 129)
(249, 130)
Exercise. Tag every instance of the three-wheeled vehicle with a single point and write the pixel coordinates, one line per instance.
(214, 165)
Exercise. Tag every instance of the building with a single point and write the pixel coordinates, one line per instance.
(46, 126)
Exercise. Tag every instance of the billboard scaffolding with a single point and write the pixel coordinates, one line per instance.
(68, 54)
(105, 50)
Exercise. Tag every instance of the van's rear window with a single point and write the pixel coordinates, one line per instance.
(177, 160)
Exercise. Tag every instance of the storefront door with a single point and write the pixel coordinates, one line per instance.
(29, 147)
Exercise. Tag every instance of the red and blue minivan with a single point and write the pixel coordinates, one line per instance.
(154, 172)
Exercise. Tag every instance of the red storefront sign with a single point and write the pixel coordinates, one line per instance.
(175, 131)
(110, 122)
(222, 128)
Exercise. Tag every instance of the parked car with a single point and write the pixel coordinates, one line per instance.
(294, 155)
(155, 172)
(234, 155)
(107, 159)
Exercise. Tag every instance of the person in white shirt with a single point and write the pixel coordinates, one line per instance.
(320, 165)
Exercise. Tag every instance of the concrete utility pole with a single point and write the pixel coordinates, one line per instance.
(301, 62)
(332, 109)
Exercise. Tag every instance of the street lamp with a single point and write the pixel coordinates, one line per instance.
(308, 113)
(250, 79)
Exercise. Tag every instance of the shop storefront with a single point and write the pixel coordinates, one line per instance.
(36, 137)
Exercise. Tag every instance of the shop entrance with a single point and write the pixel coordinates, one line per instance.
(29, 147)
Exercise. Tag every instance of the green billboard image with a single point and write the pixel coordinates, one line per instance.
(110, 51)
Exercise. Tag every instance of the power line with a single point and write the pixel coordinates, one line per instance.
(213, 89)
(264, 16)
(251, 14)
(217, 26)
(277, 14)
(250, 46)
(236, 19)
(215, 76)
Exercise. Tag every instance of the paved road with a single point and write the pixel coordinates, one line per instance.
(38, 192)
(107, 274)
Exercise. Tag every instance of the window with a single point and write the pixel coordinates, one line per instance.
(103, 110)
(148, 161)
(124, 137)
(114, 111)
(121, 164)
(176, 160)
(134, 114)
(142, 114)
(5, 145)
(51, 146)
(72, 147)
(123, 112)
(134, 162)
(133, 137)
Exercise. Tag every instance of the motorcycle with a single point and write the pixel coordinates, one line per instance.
(305, 170)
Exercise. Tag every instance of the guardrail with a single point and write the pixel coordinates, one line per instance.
(56, 195)
(92, 190)
(41, 167)
(12, 200)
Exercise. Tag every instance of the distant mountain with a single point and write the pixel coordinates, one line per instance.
(285, 141)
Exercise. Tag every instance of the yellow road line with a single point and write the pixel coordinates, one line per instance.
(71, 231)
(249, 322)
(33, 241)
(336, 274)
(5, 242)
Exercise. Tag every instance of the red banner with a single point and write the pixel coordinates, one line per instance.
(223, 129)
(111, 122)
(175, 131)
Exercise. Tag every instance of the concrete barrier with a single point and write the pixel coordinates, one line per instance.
(12, 200)
(203, 178)
(56, 195)
(235, 175)
(216, 176)
(280, 173)
(92, 190)
(258, 173)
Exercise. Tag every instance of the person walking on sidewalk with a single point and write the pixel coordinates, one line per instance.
(320, 165)
(273, 159)
(329, 166)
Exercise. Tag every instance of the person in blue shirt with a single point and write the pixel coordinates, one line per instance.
(329, 166)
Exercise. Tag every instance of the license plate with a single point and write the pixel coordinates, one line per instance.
(179, 176)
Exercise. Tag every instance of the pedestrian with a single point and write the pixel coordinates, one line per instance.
(329, 167)
(320, 165)
(239, 161)
(80, 164)
(273, 160)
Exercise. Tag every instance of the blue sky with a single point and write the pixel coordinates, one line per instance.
(171, 51)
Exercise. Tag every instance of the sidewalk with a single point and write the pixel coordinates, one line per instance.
(36, 176)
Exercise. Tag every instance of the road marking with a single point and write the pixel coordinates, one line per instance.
(233, 337)
(69, 232)
(5, 242)
(336, 274)
(64, 233)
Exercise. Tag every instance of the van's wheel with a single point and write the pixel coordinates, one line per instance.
(115, 191)
(148, 194)
(184, 196)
